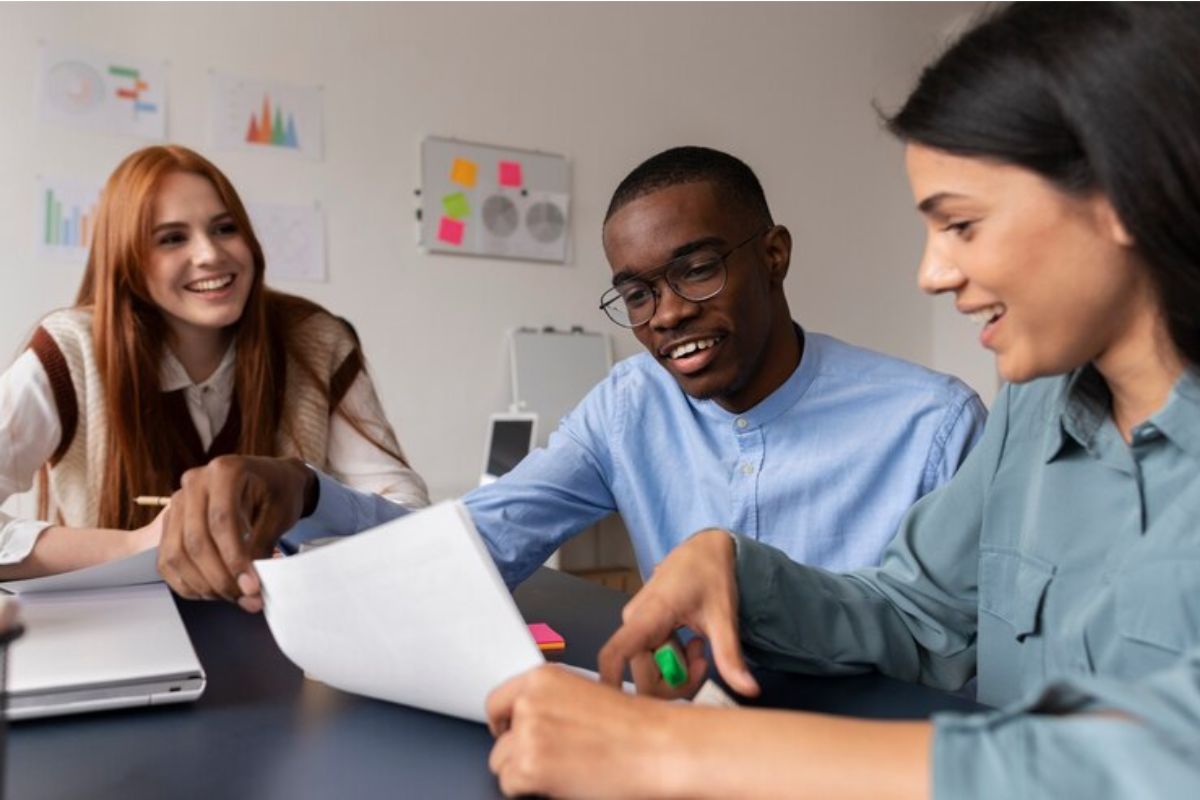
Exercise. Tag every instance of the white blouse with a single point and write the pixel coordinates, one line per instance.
(30, 431)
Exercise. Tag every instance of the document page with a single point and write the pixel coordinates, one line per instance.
(412, 611)
(133, 570)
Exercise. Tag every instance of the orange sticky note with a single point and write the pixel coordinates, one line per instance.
(546, 637)
(464, 172)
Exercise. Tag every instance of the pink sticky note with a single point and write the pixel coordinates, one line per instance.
(451, 231)
(510, 173)
(546, 637)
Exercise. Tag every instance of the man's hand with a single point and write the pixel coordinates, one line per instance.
(224, 515)
(562, 735)
(696, 586)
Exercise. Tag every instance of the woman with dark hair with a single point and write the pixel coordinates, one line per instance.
(174, 354)
(1054, 153)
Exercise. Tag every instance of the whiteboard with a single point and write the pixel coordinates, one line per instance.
(553, 370)
(481, 200)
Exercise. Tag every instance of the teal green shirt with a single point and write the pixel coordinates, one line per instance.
(1061, 567)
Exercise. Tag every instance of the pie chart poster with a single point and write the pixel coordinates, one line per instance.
(102, 92)
(494, 202)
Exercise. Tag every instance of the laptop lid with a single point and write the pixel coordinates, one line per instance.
(99, 649)
(510, 437)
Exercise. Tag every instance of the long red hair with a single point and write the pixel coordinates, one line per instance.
(129, 334)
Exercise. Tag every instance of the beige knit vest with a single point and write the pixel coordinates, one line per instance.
(76, 471)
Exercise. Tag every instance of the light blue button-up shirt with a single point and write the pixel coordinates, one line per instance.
(824, 468)
(1061, 567)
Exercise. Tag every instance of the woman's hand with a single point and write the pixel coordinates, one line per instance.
(146, 537)
(562, 735)
(696, 586)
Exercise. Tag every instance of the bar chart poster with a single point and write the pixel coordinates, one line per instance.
(265, 116)
(103, 93)
(66, 215)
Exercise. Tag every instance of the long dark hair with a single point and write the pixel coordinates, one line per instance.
(1093, 97)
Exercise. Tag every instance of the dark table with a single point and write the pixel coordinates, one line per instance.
(262, 730)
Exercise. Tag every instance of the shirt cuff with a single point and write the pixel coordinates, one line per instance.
(18, 539)
(978, 756)
(340, 511)
(755, 568)
(1052, 744)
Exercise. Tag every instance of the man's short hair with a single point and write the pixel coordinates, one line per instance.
(733, 179)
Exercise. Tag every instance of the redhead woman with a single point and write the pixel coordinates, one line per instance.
(1054, 157)
(174, 354)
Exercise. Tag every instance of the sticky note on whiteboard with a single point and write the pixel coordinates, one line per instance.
(456, 205)
(451, 231)
(510, 173)
(464, 172)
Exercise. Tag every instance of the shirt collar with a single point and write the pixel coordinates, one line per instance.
(172, 376)
(1179, 419)
(1086, 404)
(780, 400)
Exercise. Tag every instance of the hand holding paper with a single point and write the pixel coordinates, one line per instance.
(413, 612)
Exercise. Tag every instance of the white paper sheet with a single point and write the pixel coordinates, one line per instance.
(136, 569)
(65, 219)
(103, 92)
(265, 116)
(292, 239)
(413, 612)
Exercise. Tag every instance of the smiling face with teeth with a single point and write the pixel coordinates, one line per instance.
(737, 347)
(1053, 278)
(199, 269)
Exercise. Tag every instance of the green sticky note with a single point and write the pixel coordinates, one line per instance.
(456, 205)
(670, 664)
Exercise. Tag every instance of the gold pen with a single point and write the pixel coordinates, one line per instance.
(150, 500)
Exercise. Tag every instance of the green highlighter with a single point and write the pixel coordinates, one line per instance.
(671, 665)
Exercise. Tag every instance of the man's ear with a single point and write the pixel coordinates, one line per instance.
(777, 249)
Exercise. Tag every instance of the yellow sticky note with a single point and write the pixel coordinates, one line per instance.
(463, 172)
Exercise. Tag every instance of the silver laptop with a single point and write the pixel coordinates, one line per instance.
(100, 649)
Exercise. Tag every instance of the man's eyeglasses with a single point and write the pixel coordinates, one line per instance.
(694, 277)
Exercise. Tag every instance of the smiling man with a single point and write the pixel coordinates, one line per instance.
(735, 417)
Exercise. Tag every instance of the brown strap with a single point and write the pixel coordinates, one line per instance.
(55, 364)
(188, 452)
(343, 377)
(226, 441)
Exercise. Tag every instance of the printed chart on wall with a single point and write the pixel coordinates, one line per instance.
(292, 239)
(493, 201)
(103, 93)
(264, 116)
(66, 212)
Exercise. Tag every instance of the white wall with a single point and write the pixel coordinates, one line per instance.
(785, 87)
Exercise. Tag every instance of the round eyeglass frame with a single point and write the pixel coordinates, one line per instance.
(612, 295)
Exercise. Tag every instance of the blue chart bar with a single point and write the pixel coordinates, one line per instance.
(69, 218)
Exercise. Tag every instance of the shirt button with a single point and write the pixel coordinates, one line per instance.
(742, 422)
(747, 469)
